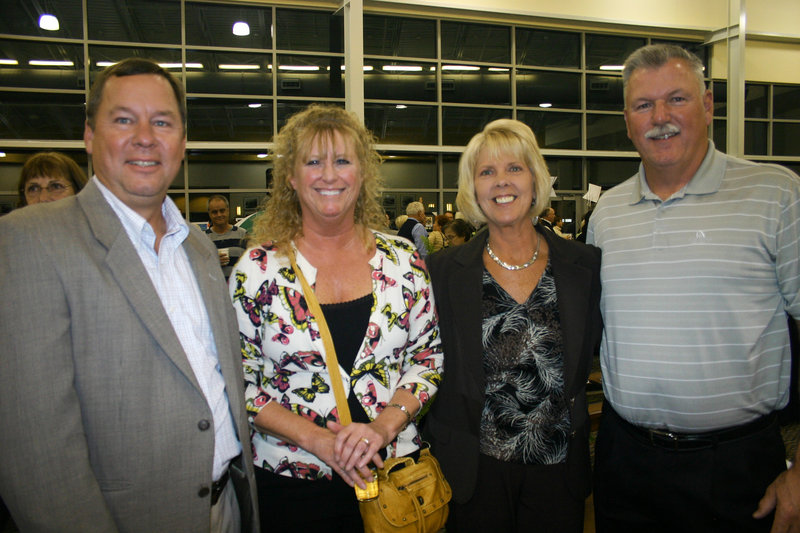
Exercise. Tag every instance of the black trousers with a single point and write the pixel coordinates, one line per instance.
(642, 487)
(511, 498)
(320, 506)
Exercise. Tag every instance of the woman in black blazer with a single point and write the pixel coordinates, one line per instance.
(520, 320)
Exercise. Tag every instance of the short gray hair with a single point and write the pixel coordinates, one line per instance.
(656, 56)
(414, 208)
(217, 197)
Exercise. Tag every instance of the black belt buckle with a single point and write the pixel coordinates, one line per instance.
(218, 486)
(677, 441)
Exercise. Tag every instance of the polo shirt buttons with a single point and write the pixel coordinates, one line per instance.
(204, 425)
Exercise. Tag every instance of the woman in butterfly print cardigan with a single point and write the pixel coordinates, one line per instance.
(284, 355)
(376, 297)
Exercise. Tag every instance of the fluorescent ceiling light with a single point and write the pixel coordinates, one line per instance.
(460, 67)
(9, 62)
(105, 64)
(299, 68)
(241, 29)
(401, 68)
(254, 106)
(400, 106)
(610, 67)
(262, 156)
(497, 69)
(545, 104)
(179, 65)
(50, 63)
(239, 67)
(48, 22)
(2, 154)
(366, 68)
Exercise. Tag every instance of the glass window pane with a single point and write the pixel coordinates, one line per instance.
(21, 17)
(310, 76)
(567, 171)
(607, 132)
(604, 93)
(229, 73)
(212, 25)
(450, 171)
(399, 37)
(309, 31)
(720, 134)
(548, 48)
(609, 50)
(287, 109)
(460, 124)
(138, 21)
(33, 115)
(720, 91)
(553, 129)
(42, 65)
(756, 100)
(397, 80)
(755, 137)
(478, 86)
(223, 169)
(786, 101)
(462, 41)
(559, 89)
(414, 124)
(217, 119)
(610, 172)
(102, 56)
(404, 170)
(784, 138)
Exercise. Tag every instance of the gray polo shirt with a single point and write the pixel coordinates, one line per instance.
(695, 291)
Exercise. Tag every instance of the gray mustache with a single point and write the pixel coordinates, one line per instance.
(664, 129)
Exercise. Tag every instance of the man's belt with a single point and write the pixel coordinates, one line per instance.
(218, 486)
(692, 441)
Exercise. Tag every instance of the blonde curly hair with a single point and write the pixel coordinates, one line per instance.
(281, 221)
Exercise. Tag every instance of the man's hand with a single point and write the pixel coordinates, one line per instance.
(783, 495)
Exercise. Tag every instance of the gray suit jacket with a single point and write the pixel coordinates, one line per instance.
(104, 426)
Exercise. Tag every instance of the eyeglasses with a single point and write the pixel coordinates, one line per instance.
(54, 188)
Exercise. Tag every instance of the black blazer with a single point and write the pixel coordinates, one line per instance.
(453, 424)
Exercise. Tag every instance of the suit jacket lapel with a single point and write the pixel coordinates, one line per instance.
(573, 285)
(466, 305)
(125, 265)
(212, 286)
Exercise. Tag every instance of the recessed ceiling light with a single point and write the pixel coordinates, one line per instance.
(241, 29)
(254, 106)
(48, 22)
(545, 104)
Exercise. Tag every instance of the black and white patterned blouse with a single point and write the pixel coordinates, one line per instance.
(525, 418)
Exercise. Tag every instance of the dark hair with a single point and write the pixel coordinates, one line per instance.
(131, 67)
(49, 164)
(442, 220)
(460, 227)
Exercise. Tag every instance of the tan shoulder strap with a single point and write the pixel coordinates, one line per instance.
(330, 352)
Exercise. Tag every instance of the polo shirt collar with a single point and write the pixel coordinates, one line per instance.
(706, 180)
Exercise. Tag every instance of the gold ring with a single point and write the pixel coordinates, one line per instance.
(366, 440)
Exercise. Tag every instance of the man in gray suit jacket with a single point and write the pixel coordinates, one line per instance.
(120, 377)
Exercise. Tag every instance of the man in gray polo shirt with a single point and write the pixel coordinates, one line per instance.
(700, 268)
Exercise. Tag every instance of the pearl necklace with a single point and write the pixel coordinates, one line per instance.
(508, 266)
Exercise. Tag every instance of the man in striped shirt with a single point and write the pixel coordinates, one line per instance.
(700, 268)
